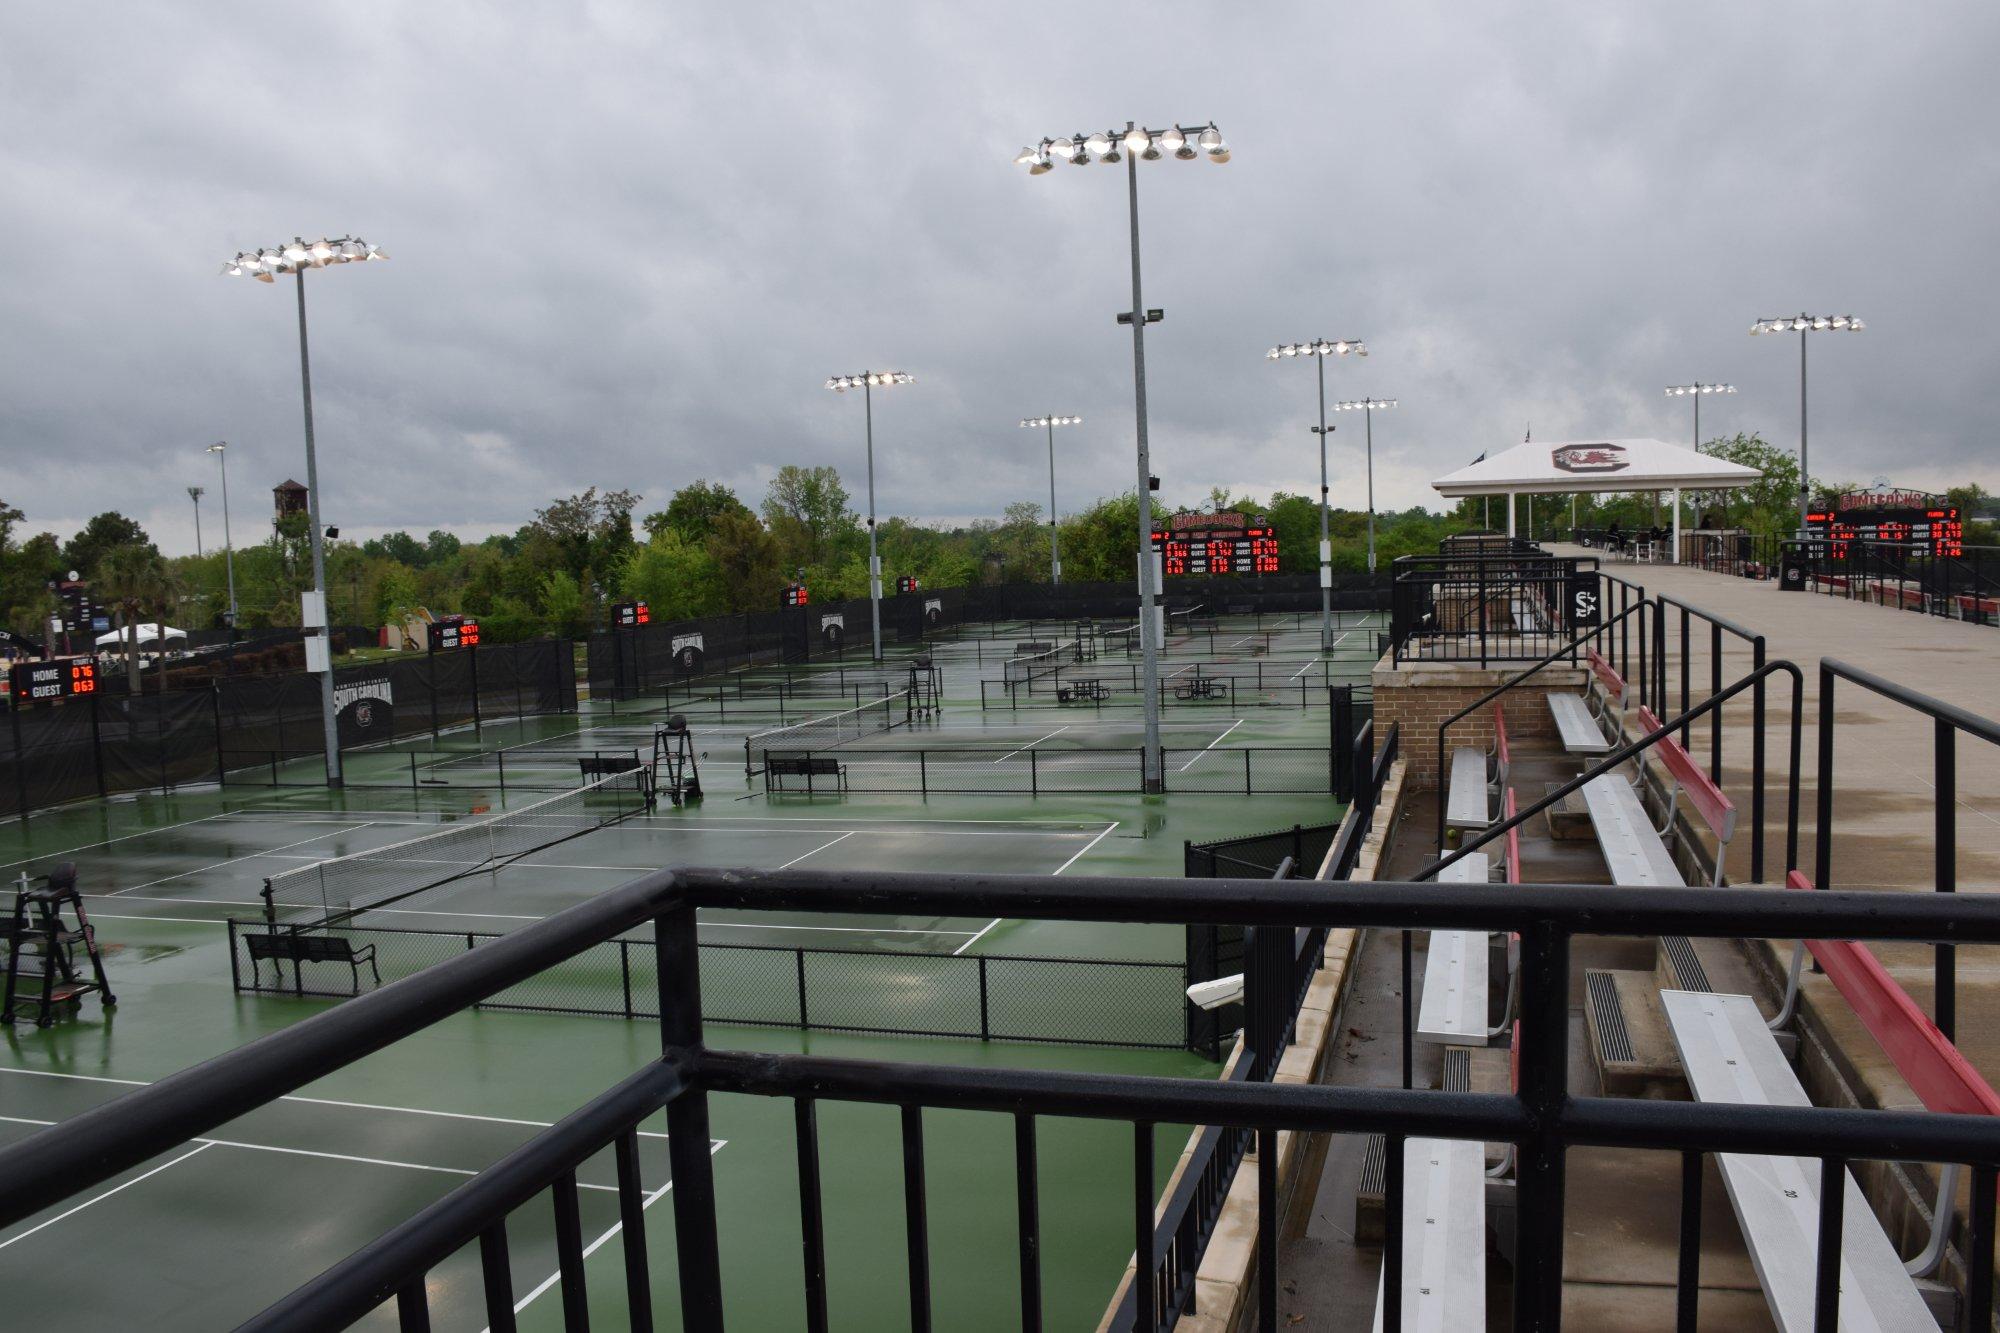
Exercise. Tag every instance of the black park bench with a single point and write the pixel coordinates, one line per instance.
(298, 949)
(778, 767)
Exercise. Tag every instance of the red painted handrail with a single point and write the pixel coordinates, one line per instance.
(1943, 1079)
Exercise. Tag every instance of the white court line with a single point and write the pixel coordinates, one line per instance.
(123, 837)
(815, 851)
(594, 1246)
(321, 1101)
(107, 1194)
(846, 930)
(129, 916)
(305, 1152)
(1211, 745)
(1032, 744)
(250, 856)
(1057, 871)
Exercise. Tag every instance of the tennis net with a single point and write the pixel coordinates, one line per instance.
(832, 729)
(329, 892)
(1022, 670)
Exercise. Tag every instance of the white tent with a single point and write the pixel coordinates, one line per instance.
(148, 634)
(1542, 467)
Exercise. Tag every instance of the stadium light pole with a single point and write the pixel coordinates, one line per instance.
(295, 258)
(1802, 325)
(1050, 424)
(1319, 351)
(221, 451)
(1368, 407)
(1696, 391)
(868, 381)
(1132, 144)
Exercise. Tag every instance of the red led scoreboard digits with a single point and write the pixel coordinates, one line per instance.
(630, 615)
(796, 595)
(446, 637)
(33, 682)
(1216, 546)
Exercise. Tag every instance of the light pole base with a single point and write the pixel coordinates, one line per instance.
(1153, 787)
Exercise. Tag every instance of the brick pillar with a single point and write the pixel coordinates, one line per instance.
(1421, 695)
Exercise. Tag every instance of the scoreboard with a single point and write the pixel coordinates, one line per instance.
(907, 583)
(446, 637)
(796, 595)
(1936, 527)
(629, 615)
(1245, 550)
(32, 682)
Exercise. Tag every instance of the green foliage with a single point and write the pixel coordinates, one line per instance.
(564, 608)
(807, 510)
(693, 511)
(101, 535)
(676, 578)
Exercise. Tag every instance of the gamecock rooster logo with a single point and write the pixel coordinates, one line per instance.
(1589, 458)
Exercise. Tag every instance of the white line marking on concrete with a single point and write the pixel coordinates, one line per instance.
(815, 851)
(123, 837)
(248, 856)
(1211, 745)
(101, 1197)
(1032, 744)
(1057, 871)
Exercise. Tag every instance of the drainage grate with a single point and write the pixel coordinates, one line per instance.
(1614, 1040)
(1374, 1168)
(1457, 1075)
(1683, 964)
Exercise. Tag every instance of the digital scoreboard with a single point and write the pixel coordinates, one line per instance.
(630, 615)
(445, 637)
(1906, 519)
(796, 595)
(34, 682)
(907, 583)
(1217, 544)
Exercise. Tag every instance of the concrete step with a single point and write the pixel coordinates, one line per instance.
(1631, 1047)
(1569, 818)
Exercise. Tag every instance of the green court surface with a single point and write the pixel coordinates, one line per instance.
(210, 1232)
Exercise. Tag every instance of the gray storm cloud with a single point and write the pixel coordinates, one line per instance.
(631, 241)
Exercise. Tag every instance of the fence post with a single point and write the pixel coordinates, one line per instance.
(799, 965)
(96, 746)
(625, 973)
(21, 764)
(679, 972)
(1034, 775)
(235, 972)
(985, 1023)
(1246, 770)
(215, 708)
(923, 773)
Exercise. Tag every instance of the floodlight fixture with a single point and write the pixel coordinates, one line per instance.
(1686, 390)
(299, 254)
(1802, 324)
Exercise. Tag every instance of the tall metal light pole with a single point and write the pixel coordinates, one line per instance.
(295, 258)
(1319, 351)
(1696, 391)
(868, 381)
(1050, 424)
(221, 451)
(195, 493)
(1368, 407)
(1133, 144)
(1802, 325)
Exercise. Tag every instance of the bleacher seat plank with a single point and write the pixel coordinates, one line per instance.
(1578, 730)
(1453, 1007)
(1444, 1236)
(1731, 1057)
(1633, 852)
(1467, 806)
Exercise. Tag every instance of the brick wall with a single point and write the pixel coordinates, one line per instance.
(1420, 696)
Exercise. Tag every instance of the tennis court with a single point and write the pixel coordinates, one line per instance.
(202, 1236)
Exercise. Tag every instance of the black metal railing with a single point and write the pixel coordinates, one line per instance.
(1719, 631)
(1948, 722)
(1911, 576)
(1502, 609)
(1542, 1120)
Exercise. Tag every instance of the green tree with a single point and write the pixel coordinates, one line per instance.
(101, 535)
(693, 511)
(806, 509)
(134, 579)
(564, 607)
(676, 578)
(748, 562)
(587, 533)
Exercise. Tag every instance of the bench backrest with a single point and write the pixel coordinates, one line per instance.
(1703, 796)
(1513, 867)
(1500, 739)
(1941, 1077)
(1607, 675)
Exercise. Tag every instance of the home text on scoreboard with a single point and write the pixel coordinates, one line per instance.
(64, 678)
(1251, 548)
(796, 595)
(629, 615)
(444, 637)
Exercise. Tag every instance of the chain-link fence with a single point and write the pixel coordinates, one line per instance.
(1081, 1001)
(1026, 770)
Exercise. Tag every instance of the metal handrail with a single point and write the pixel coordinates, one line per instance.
(1508, 684)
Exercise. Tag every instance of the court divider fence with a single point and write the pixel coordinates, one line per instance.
(987, 997)
(1023, 771)
(108, 743)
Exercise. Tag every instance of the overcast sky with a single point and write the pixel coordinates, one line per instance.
(631, 241)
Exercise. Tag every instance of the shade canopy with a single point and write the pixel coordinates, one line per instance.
(147, 633)
(1542, 467)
